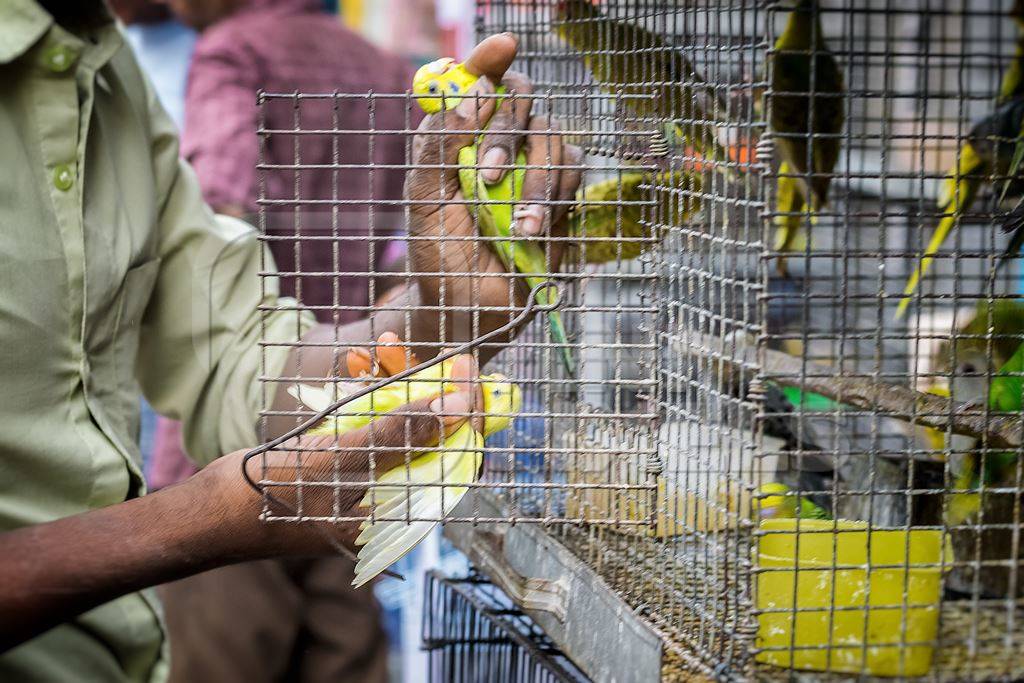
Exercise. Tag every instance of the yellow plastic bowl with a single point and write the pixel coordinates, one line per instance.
(820, 608)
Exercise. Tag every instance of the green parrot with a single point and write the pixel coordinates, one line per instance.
(777, 501)
(1012, 87)
(416, 492)
(627, 59)
(979, 159)
(992, 340)
(808, 144)
(614, 211)
(1005, 395)
(495, 221)
(450, 79)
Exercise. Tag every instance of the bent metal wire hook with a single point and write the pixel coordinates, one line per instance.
(531, 308)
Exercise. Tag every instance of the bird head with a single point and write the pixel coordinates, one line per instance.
(442, 77)
(502, 400)
(774, 500)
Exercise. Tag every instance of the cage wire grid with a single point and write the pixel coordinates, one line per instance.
(473, 632)
(703, 372)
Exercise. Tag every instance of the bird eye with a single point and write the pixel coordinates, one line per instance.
(432, 88)
(969, 368)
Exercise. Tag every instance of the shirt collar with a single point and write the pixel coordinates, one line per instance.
(22, 23)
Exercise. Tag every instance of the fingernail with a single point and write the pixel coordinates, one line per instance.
(529, 219)
(452, 408)
(495, 157)
(464, 371)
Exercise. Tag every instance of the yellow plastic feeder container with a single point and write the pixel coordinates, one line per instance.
(821, 608)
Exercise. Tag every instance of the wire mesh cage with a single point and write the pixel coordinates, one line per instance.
(473, 632)
(752, 428)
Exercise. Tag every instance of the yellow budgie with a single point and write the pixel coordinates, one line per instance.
(416, 494)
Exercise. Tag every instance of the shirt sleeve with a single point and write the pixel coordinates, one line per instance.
(213, 324)
(221, 114)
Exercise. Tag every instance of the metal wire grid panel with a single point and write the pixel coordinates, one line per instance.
(473, 632)
(703, 373)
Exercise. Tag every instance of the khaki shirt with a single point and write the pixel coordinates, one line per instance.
(114, 275)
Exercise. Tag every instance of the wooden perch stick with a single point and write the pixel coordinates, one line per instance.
(900, 402)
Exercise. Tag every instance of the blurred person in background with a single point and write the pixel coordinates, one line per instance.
(285, 619)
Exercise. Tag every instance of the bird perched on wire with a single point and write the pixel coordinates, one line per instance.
(659, 82)
(986, 154)
(777, 501)
(440, 85)
(1013, 86)
(432, 484)
(611, 218)
(981, 367)
(806, 117)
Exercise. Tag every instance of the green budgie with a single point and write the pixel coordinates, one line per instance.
(1005, 395)
(445, 76)
(1013, 87)
(779, 502)
(984, 155)
(459, 463)
(628, 59)
(808, 145)
(613, 210)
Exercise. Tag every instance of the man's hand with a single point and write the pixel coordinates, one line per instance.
(51, 572)
(469, 276)
(313, 466)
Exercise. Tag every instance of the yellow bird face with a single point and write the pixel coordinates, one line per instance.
(775, 503)
(502, 400)
(443, 77)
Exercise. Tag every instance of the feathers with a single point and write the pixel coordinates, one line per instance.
(614, 220)
(806, 117)
(627, 59)
(957, 193)
(494, 220)
(406, 502)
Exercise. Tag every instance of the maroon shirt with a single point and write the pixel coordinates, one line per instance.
(287, 46)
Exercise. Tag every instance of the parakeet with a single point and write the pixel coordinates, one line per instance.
(1012, 87)
(777, 501)
(968, 364)
(494, 219)
(416, 492)
(627, 59)
(610, 217)
(982, 156)
(806, 125)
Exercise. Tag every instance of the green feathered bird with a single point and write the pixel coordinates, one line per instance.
(1012, 87)
(987, 344)
(434, 482)
(440, 85)
(806, 119)
(980, 159)
(613, 220)
(627, 59)
(775, 500)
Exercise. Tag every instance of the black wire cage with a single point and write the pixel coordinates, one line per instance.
(474, 632)
(777, 453)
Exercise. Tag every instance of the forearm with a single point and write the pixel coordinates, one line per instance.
(49, 573)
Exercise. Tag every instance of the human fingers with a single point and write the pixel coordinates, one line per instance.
(507, 128)
(544, 153)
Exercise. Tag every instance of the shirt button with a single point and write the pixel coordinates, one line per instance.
(63, 178)
(59, 58)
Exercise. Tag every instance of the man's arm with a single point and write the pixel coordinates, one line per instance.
(52, 572)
